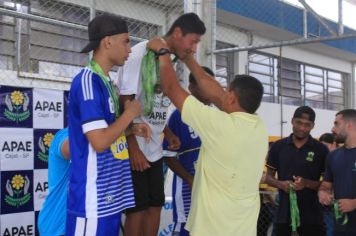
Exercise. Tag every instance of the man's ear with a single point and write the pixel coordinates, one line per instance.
(232, 99)
(107, 42)
(313, 126)
(177, 32)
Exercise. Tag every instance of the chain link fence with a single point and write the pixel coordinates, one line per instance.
(40, 40)
(40, 43)
(254, 24)
(290, 49)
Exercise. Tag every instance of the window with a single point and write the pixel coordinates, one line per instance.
(224, 64)
(7, 40)
(324, 88)
(297, 83)
(290, 83)
(262, 68)
(51, 49)
(335, 90)
(314, 87)
(6, 63)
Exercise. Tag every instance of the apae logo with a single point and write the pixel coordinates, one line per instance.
(41, 187)
(17, 191)
(44, 144)
(25, 230)
(17, 146)
(17, 106)
(48, 106)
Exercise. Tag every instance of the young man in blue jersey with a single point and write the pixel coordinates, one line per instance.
(52, 217)
(100, 185)
(338, 188)
(183, 161)
(146, 158)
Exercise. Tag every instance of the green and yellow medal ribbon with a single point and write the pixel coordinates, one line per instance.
(294, 210)
(341, 218)
(150, 77)
(95, 67)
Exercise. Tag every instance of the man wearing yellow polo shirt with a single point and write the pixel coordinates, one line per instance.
(225, 197)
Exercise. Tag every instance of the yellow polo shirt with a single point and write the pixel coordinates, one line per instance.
(225, 197)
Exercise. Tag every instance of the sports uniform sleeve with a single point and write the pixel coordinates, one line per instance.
(63, 136)
(57, 142)
(328, 175)
(91, 104)
(272, 159)
(172, 124)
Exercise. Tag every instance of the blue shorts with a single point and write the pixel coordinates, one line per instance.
(108, 225)
(179, 229)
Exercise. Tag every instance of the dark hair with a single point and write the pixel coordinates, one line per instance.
(206, 69)
(348, 114)
(327, 138)
(305, 110)
(249, 92)
(188, 23)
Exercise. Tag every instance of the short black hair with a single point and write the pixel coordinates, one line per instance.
(249, 92)
(327, 138)
(348, 115)
(206, 69)
(305, 110)
(188, 23)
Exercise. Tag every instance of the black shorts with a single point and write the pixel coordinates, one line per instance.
(148, 187)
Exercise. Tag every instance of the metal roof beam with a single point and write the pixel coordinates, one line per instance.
(285, 43)
(317, 16)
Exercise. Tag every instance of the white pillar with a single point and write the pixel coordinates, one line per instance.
(206, 10)
(241, 62)
(352, 97)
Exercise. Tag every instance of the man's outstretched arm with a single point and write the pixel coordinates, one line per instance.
(209, 87)
(170, 85)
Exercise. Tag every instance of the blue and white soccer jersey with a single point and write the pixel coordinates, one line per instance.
(187, 156)
(100, 185)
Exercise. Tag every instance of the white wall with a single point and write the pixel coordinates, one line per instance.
(309, 57)
(271, 114)
(10, 78)
(229, 34)
(126, 8)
